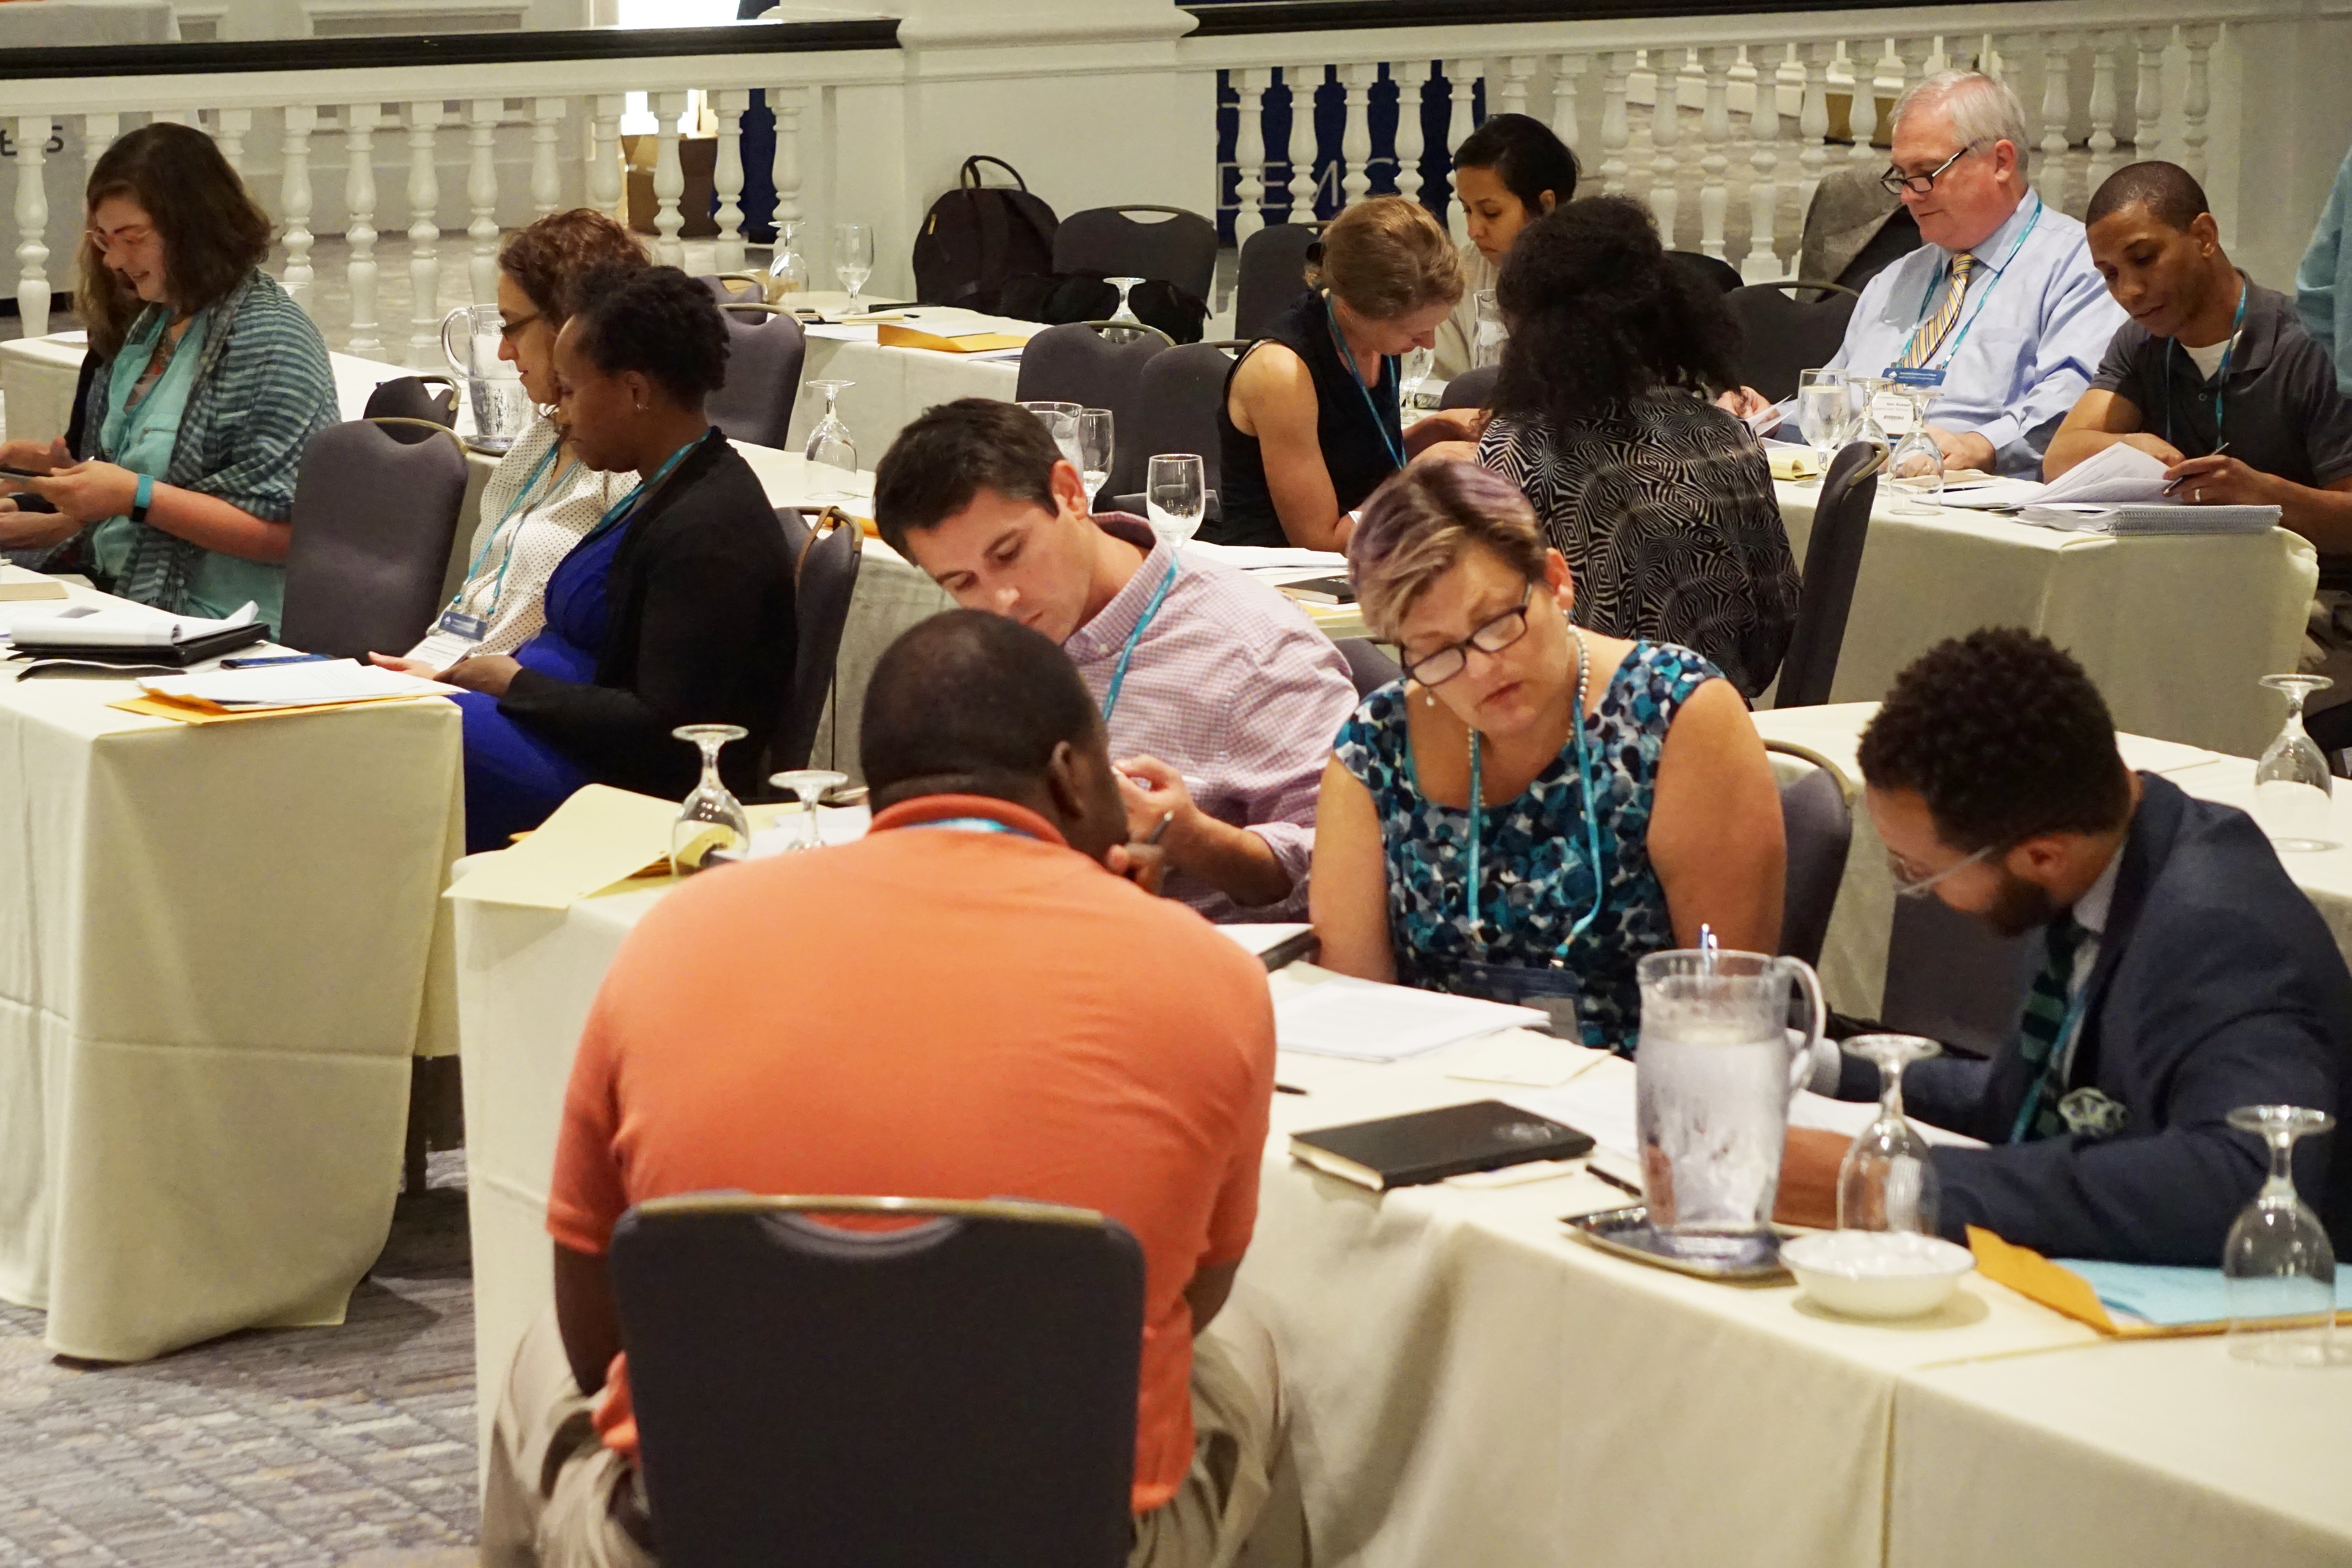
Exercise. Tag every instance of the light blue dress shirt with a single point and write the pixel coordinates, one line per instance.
(2032, 328)
(2322, 284)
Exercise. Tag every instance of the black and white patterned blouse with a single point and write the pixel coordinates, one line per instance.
(1667, 515)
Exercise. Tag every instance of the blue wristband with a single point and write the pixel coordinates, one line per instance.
(140, 500)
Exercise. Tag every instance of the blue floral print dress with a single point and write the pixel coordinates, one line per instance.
(1535, 849)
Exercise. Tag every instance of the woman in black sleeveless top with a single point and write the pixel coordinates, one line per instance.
(1308, 424)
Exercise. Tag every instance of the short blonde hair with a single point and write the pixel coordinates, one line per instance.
(1385, 257)
(1419, 525)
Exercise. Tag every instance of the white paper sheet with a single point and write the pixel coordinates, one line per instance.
(1262, 939)
(126, 626)
(1366, 1021)
(294, 685)
(2110, 476)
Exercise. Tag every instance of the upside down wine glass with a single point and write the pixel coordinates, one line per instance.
(1886, 1181)
(808, 785)
(711, 828)
(1915, 466)
(829, 442)
(2280, 1268)
(2294, 792)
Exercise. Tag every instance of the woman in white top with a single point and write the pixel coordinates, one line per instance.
(542, 499)
(1507, 174)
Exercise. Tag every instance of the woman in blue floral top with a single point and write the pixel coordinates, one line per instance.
(1623, 797)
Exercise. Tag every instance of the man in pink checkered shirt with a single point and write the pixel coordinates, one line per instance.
(1220, 697)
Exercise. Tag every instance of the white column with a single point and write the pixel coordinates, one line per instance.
(1914, 53)
(2104, 48)
(786, 102)
(669, 177)
(1519, 70)
(1410, 76)
(359, 195)
(2057, 108)
(605, 185)
(1356, 134)
(2196, 101)
(1763, 262)
(1616, 134)
(1298, 151)
(97, 135)
(168, 116)
(546, 176)
(422, 117)
(1249, 154)
(1462, 77)
(294, 201)
(232, 125)
(1714, 194)
(727, 174)
(2147, 96)
(482, 199)
(2016, 51)
(1862, 114)
(1566, 75)
(1813, 122)
(1666, 137)
(32, 224)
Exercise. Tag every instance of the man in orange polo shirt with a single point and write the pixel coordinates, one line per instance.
(1130, 1043)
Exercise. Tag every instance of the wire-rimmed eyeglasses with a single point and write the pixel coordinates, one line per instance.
(1492, 637)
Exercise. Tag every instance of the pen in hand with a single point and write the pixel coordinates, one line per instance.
(2175, 484)
(1160, 830)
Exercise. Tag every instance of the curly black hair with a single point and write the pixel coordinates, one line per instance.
(1600, 316)
(655, 320)
(2004, 736)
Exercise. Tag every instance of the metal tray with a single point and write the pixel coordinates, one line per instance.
(1627, 1232)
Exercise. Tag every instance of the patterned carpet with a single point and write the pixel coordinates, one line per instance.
(349, 1446)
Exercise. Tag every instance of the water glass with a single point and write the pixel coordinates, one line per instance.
(1488, 349)
(1175, 494)
(807, 785)
(1418, 364)
(2280, 1268)
(711, 827)
(1824, 412)
(788, 270)
(1094, 449)
(852, 257)
(1886, 1181)
(1061, 420)
(1915, 468)
(829, 442)
(2293, 791)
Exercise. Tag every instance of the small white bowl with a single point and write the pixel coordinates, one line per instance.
(1877, 1274)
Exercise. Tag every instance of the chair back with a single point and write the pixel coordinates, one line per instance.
(1719, 275)
(1272, 272)
(1474, 388)
(1817, 819)
(1781, 334)
(957, 1390)
(1082, 363)
(1953, 978)
(374, 521)
(1179, 246)
(1833, 562)
(765, 350)
(1367, 665)
(1177, 397)
(824, 578)
(432, 399)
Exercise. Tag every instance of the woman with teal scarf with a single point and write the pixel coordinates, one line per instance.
(213, 384)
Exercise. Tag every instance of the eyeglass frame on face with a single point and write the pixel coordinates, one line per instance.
(1475, 640)
(1896, 182)
(129, 235)
(508, 329)
(1907, 886)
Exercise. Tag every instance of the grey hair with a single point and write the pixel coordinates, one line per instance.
(1983, 111)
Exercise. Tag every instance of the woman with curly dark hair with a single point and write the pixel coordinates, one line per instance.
(1661, 502)
(677, 608)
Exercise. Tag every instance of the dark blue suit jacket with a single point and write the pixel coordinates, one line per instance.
(2217, 984)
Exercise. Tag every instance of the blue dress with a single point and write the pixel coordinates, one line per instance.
(1533, 851)
(515, 777)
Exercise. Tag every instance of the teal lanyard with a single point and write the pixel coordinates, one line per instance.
(2220, 377)
(1591, 826)
(1937, 281)
(622, 509)
(1388, 384)
(499, 587)
(975, 825)
(1127, 652)
(2059, 1052)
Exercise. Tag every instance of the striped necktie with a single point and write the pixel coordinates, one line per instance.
(1928, 336)
(2044, 1022)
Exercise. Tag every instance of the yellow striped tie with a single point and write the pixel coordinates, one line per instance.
(1928, 335)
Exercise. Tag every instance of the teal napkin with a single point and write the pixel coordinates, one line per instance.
(2171, 1297)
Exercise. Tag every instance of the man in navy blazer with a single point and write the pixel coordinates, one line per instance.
(2183, 974)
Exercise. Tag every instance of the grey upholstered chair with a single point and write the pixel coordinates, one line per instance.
(766, 351)
(824, 578)
(374, 521)
(1832, 564)
(1272, 272)
(1179, 246)
(1817, 819)
(1081, 362)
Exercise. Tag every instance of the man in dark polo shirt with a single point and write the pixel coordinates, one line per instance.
(2214, 374)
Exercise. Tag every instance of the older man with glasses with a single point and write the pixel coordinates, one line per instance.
(2001, 310)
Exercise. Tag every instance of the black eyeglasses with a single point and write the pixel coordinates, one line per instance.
(1896, 182)
(1493, 637)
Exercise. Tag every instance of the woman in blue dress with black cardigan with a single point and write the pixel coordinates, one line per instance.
(676, 609)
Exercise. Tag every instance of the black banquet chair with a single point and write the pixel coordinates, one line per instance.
(1472, 388)
(957, 1390)
(1178, 397)
(825, 563)
(1082, 362)
(1782, 334)
(1271, 273)
(1369, 667)
(1832, 564)
(1179, 246)
(426, 399)
(1817, 819)
(374, 521)
(765, 350)
(1719, 275)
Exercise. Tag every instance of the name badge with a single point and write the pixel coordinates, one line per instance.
(472, 628)
(1914, 376)
(1893, 412)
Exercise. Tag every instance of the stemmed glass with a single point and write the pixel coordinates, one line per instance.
(829, 442)
(1418, 364)
(2280, 1268)
(2294, 793)
(1062, 424)
(1915, 466)
(1864, 390)
(1126, 312)
(1095, 447)
(853, 258)
(808, 785)
(1175, 494)
(788, 270)
(1824, 412)
(1488, 349)
(1886, 1181)
(711, 828)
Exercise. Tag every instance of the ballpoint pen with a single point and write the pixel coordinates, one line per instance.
(1156, 833)
(2184, 479)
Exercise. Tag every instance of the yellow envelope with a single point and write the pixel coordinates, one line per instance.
(896, 337)
(599, 837)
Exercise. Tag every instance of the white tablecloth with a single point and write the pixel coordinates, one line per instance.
(2175, 630)
(893, 385)
(214, 969)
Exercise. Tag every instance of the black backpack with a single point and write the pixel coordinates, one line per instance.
(1055, 298)
(978, 235)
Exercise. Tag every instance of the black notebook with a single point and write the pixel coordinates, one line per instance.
(177, 656)
(1323, 590)
(1429, 1146)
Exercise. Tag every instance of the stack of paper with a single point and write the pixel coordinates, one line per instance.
(16, 585)
(117, 626)
(2120, 489)
(292, 686)
(1366, 1021)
